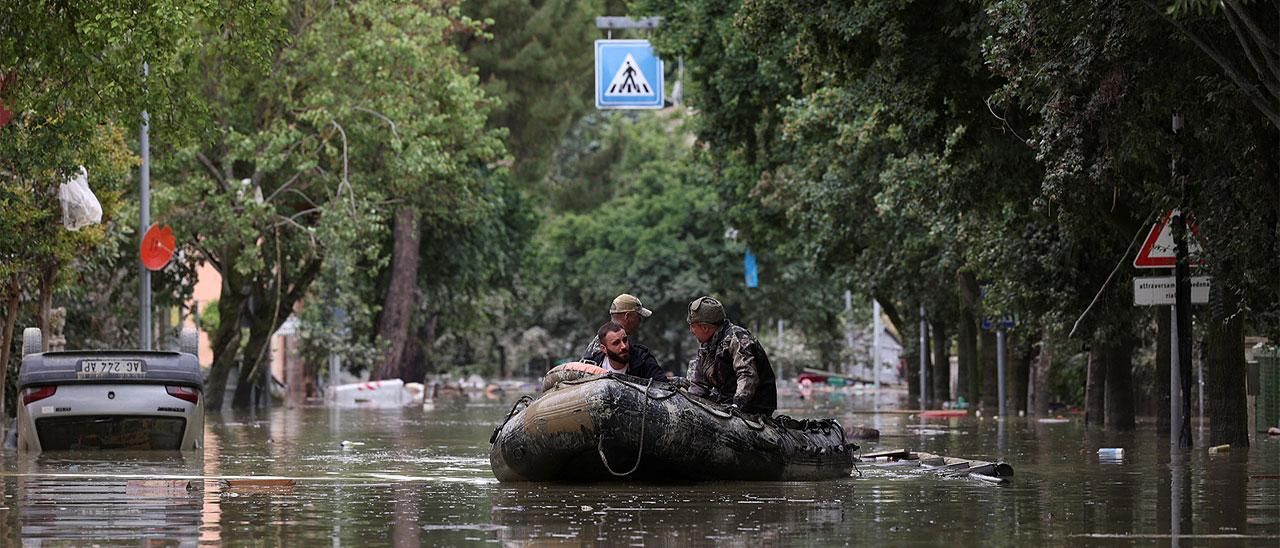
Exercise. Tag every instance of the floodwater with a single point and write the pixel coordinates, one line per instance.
(421, 477)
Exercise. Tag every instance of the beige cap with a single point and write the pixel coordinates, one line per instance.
(628, 303)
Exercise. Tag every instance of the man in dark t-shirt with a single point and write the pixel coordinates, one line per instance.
(618, 355)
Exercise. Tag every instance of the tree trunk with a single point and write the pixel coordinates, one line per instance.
(1021, 374)
(254, 387)
(912, 356)
(48, 275)
(941, 364)
(498, 347)
(1119, 390)
(967, 350)
(402, 295)
(928, 399)
(970, 383)
(910, 331)
(1040, 376)
(226, 343)
(1225, 369)
(418, 358)
(12, 297)
(1163, 353)
(990, 380)
(1095, 384)
(255, 367)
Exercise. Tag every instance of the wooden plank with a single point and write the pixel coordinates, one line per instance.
(896, 453)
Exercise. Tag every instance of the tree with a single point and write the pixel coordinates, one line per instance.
(73, 76)
(534, 58)
(364, 107)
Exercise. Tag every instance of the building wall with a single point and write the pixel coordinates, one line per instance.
(208, 288)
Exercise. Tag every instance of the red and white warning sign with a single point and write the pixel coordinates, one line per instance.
(1157, 250)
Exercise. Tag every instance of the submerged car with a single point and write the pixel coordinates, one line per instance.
(89, 400)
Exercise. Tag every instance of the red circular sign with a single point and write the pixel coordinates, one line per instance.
(158, 245)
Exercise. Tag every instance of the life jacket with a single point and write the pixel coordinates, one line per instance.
(570, 372)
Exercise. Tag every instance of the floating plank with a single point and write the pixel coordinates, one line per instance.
(896, 453)
(259, 485)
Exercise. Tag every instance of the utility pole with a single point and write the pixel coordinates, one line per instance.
(876, 328)
(848, 332)
(1001, 365)
(1182, 310)
(144, 191)
(924, 358)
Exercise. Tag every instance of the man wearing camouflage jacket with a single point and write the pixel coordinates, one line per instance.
(731, 366)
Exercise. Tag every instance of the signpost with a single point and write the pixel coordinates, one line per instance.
(144, 207)
(1002, 326)
(1167, 246)
(629, 75)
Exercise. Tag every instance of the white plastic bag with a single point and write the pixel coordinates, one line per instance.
(80, 208)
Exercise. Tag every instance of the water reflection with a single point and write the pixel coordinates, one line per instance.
(68, 499)
(412, 477)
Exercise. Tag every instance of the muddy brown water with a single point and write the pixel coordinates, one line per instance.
(421, 477)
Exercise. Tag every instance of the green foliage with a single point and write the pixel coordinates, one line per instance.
(210, 319)
(364, 108)
(534, 57)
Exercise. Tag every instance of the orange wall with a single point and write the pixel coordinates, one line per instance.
(208, 288)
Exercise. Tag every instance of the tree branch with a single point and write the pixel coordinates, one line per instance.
(383, 117)
(1250, 91)
(1264, 44)
(1247, 46)
(213, 170)
(346, 183)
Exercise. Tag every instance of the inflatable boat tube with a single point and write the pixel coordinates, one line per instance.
(616, 427)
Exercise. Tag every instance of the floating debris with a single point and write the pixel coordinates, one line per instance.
(947, 467)
(259, 485)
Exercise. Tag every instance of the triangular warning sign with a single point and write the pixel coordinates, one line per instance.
(629, 81)
(1157, 250)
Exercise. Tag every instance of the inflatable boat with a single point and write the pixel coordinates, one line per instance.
(590, 425)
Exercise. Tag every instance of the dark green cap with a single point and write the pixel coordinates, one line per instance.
(706, 310)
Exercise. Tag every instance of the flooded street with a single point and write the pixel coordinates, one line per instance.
(410, 477)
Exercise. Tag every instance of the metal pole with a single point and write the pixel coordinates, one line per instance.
(876, 328)
(1182, 301)
(924, 357)
(334, 364)
(1000, 368)
(1175, 382)
(1182, 304)
(1200, 384)
(144, 191)
(848, 332)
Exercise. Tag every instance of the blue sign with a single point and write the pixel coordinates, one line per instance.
(628, 75)
(1003, 323)
(749, 265)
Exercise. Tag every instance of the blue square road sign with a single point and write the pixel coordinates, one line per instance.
(628, 75)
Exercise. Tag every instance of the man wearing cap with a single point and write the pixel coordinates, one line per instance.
(731, 366)
(626, 311)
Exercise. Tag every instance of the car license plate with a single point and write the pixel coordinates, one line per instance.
(94, 368)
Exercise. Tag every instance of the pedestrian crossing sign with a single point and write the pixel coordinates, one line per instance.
(628, 75)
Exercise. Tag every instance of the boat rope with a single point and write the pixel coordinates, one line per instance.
(639, 452)
(525, 399)
(844, 443)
